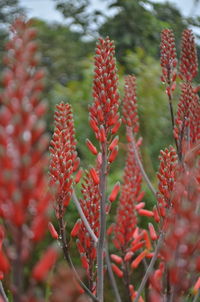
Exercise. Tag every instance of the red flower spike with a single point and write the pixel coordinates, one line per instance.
(188, 61)
(138, 259)
(129, 110)
(63, 154)
(90, 206)
(152, 232)
(104, 110)
(166, 176)
(116, 258)
(24, 196)
(114, 192)
(45, 264)
(168, 60)
(91, 147)
(117, 271)
(181, 244)
(126, 220)
(187, 118)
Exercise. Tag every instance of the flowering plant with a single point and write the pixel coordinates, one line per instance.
(161, 253)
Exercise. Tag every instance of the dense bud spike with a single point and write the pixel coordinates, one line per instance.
(188, 62)
(64, 160)
(104, 110)
(168, 60)
(130, 114)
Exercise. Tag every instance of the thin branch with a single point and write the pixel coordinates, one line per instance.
(146, 178)
(111, 275)
(83, 218)
(150, 267)
(2, 293)
(173, 124)
(68, 258)
(196, 298)
(102, 231)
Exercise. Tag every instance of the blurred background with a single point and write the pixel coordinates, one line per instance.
(67, 33)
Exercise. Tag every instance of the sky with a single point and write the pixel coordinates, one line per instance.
(44, 9)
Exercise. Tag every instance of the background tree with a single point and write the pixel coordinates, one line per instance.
(9, 10)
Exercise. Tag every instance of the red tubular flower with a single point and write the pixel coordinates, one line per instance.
(52, 230)
(117, 271)
(188, 62)
(104, 116)
(126, 220)
(130, 114)
(45, 264)
(64, 160)
(114, 192)
(168, 59)
(138, 259)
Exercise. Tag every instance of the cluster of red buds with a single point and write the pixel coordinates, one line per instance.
(64, 161)
(187, 124)
(133, 243)
(104, 117)
(129, 110)
(188, 62)
(168, 60)
(24, 196)
(167, 177)
(90, 204)
(181, 247)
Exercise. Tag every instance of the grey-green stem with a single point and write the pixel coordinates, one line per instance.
(83, 218)
(2, 293)
(150, 267)
(102, 232)
(145, 176)
(111, 276)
